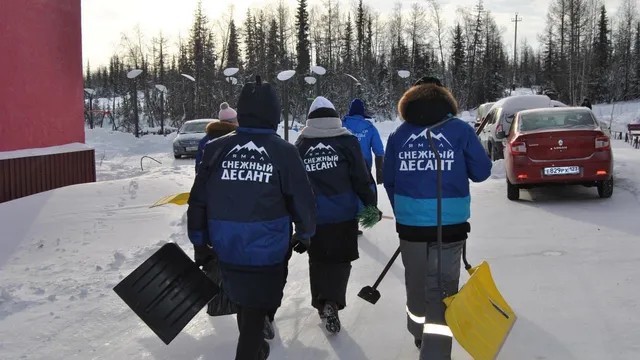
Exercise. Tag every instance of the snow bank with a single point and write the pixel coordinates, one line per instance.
(118, 154)
(622, 113)
(499, 170)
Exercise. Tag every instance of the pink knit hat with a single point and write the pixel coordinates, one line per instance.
(227, 114)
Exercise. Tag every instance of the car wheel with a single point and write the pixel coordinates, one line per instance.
(605, 188)
(513, 191)
(177, 156)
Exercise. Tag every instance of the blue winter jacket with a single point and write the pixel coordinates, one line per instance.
(410, 176)
(338, 175)
(244, 199)
(367, 135)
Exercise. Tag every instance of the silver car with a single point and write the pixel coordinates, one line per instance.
(189, 136)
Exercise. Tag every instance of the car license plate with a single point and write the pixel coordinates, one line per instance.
(192, 148)
(564, 170)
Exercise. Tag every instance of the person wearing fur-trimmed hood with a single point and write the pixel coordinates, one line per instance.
(228, 122)
(410, 178)
(339, 177)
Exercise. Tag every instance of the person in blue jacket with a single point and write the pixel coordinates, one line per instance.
(411, 184)
(250, 187)
(337, 171)
(228, 122)
(369, 138)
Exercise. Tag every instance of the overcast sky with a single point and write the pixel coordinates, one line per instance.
(104, 21)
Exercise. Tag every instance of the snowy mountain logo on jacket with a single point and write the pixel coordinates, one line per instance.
(320, 157)
(440, 137)
(248, 162)
(250, 146)
(418, 156)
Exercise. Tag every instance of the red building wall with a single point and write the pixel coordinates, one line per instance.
(41, 86)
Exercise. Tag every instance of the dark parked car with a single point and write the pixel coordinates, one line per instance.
(189, 135)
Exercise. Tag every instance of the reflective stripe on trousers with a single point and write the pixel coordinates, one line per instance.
(425, 309)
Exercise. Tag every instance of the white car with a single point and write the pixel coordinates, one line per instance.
(189, 136)
(497, 123)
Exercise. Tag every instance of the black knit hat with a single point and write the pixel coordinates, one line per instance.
(258, 106)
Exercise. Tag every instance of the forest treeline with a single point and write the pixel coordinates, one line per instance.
(583, 52)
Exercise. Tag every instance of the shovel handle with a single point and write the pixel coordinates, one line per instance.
(386, 268)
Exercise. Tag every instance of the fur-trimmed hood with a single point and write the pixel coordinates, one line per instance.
(220, 126)
(428, 104)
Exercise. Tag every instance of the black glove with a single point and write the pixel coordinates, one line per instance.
(300, 244)
(379, 165)
(202, 254)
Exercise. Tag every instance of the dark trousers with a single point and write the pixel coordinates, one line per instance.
(251, 340)
(425, 309)
(329, 283)
(272, 313)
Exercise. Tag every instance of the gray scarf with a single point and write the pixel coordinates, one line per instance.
(324, 128)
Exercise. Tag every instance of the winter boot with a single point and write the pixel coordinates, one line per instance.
(331, 314)
(418, 343)
(322, 314)
(265, 350)
(268, 331)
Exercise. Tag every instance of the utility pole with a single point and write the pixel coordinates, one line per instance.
(515, 48)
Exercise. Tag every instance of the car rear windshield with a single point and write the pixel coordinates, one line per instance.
(189, 128)
(556, 120)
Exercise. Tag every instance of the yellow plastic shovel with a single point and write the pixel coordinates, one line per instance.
(177, 199)
(478, 316)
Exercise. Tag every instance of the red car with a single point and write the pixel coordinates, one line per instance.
(552, 146)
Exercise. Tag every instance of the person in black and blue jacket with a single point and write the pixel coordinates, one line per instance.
(339, 176)
(250, 187)
(411, 184)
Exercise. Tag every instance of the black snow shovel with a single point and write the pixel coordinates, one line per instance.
(371, 293)
(167, 291)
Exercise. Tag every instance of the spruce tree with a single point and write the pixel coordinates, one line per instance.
(303, 45)
(233, 51)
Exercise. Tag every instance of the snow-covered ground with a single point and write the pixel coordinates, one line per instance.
(565, 260)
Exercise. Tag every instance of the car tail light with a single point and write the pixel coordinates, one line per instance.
(523, 176)
(602, 143)
(518, 148)
(601, 172)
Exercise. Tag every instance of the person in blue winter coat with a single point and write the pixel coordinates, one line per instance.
(228, 122)
(410, 179)
(367, 134)
(250, 187)
(337, 171)
(357, 122)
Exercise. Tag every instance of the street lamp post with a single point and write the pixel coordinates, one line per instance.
(90, 92)
(404, 74)
(184, 107)
(163, 90)
(318, 70)
(133, 74)
(356, 82)
(311, 81)
(229, 72)
(284, 76)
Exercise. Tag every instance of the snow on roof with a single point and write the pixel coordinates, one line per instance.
(6, 155)
(516, 103)
(199, 121)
